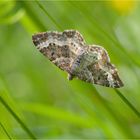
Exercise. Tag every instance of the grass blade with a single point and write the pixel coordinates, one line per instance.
(5, 131)
(51, 18)
(17, 118)
(127, 102)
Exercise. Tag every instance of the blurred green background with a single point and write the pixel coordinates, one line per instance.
(42, 100)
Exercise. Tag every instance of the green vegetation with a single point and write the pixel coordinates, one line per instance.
(37, 100)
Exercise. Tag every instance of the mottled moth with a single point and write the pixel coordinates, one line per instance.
(68, 51)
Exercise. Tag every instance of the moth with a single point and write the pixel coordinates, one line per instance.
(68, 51)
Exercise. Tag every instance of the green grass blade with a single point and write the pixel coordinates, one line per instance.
(51, 18)
(17, 118)
(5, 131)
(127, 102)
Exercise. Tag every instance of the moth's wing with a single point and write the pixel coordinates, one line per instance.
(59, 47)
(101, 72)
(74, 37)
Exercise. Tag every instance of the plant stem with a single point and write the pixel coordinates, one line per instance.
(17, 118)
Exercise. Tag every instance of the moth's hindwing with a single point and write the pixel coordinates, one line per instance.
(98, 68)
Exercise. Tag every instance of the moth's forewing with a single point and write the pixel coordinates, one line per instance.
(59, 47)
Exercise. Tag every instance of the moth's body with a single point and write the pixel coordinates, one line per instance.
(68, 51)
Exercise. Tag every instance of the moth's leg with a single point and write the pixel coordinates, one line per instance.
(70, 76)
